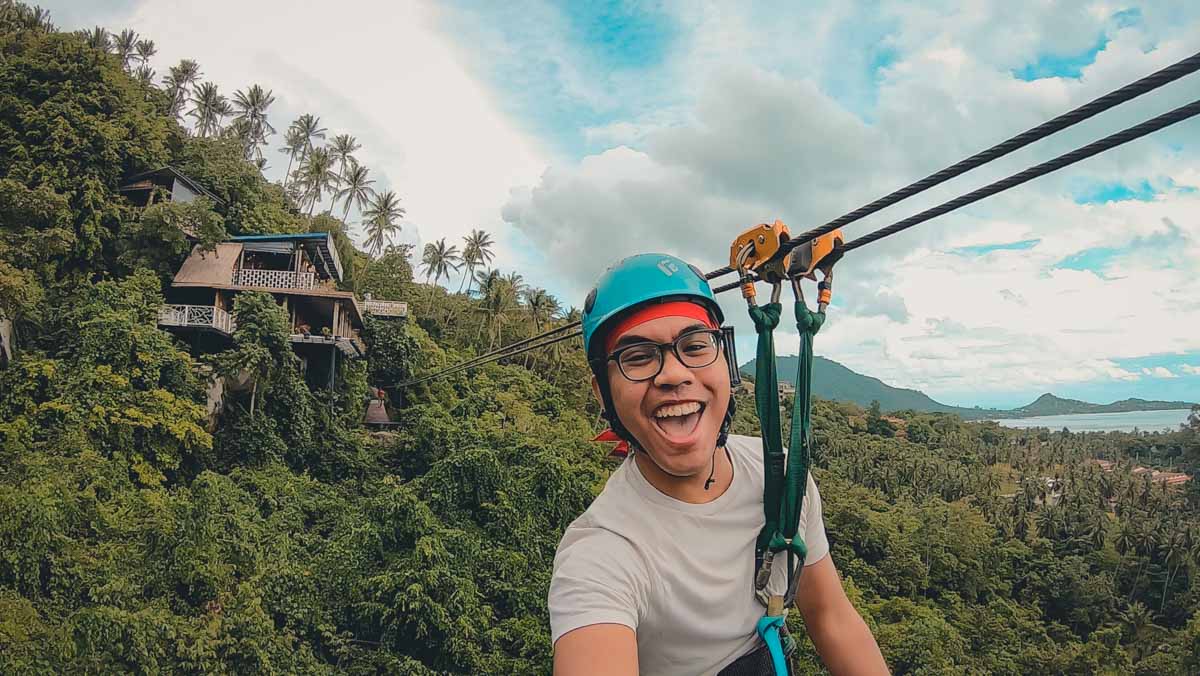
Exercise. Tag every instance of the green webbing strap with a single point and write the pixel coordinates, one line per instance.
(783, 490)
(800, 442)
(766, 402)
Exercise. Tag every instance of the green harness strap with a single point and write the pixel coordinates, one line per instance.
(784, 486)
(766, 404)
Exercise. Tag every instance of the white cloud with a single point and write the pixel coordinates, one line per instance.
(381, 71)
(763, 143)
(1159, 372)
(1190, 369)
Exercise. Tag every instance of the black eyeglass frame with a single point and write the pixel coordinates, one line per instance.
(718, 337)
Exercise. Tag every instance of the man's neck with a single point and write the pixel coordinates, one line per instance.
(688, 488)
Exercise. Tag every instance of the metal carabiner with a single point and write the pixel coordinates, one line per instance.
(748, 290)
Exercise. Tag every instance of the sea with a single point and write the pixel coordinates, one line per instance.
(1148, 421)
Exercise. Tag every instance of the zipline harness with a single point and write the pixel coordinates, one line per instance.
(785, 479)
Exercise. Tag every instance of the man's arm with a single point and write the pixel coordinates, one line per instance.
(842, 638)
(599, 649)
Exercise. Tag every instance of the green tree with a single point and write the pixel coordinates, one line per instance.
(125, 46)
(356, 188)
(477, 250)
(876, 424)
(439, 260)
(159, 239)
(342, 150)
(316, 176)
(380, 220)
(251, 106)
(261, 342)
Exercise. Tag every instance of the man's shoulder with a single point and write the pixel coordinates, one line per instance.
(748, 448)
(613, 507)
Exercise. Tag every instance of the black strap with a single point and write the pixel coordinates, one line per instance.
(757, 662)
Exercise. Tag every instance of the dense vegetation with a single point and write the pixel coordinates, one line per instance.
(137, 535)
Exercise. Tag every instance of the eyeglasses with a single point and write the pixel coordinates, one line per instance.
(643, 361)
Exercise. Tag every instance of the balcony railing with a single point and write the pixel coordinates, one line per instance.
(203, 316)
(275, 279)
(386, 308)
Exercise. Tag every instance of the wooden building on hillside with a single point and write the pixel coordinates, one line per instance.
(166, 182)
(300, 270)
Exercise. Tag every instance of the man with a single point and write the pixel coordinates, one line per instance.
(656, 577)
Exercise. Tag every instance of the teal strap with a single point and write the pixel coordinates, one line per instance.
(768, 630)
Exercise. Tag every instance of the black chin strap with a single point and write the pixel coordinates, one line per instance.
(711, 471)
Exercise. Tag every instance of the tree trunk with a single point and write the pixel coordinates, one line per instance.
(464, 281)
(253, 396)
(291, 158)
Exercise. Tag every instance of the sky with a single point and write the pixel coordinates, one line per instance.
(580, 133)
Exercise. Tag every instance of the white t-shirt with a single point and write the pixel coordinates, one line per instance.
(681, 575)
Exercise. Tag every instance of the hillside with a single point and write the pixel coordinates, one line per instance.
(832, 380)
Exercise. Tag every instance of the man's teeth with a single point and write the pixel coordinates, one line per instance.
(671, 411)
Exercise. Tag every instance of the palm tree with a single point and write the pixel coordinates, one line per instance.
(438, 260)
(293, 145)
(308, 128)
(356, 187)
(252, 107)
(208, 107)
(317, 176)
(125, 45)
(516, 282)
(381, 215)
(498, 299)
(144, 74)
(179, 83)
(541, 306)
(343, 148)
(488, 280)
(144, 49)
(98, 38)
(34, 18)
(477, 250)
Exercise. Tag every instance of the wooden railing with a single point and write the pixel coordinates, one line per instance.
(196, 315)
(386, 308)
(275, 279)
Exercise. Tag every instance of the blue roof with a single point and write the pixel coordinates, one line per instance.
(325, 253)
(280, 237)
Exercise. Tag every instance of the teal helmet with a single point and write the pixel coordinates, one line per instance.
(634, 282)
(641, 279)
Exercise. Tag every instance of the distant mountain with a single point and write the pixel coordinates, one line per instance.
(1048, 404)
(831, 380)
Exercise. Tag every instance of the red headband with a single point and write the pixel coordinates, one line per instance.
(677, 308)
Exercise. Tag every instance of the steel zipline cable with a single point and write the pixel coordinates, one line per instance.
(507, 352)
(1065, 160)
(1107, 143)
(498, 353)
(1168, 74)
(1110, 100)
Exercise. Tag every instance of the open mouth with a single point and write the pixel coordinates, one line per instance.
(678, 422)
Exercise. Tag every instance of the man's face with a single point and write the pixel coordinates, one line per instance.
(675, 416)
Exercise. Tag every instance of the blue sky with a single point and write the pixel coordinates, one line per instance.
(578, 133)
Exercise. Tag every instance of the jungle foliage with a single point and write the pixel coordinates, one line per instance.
(137, 535)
